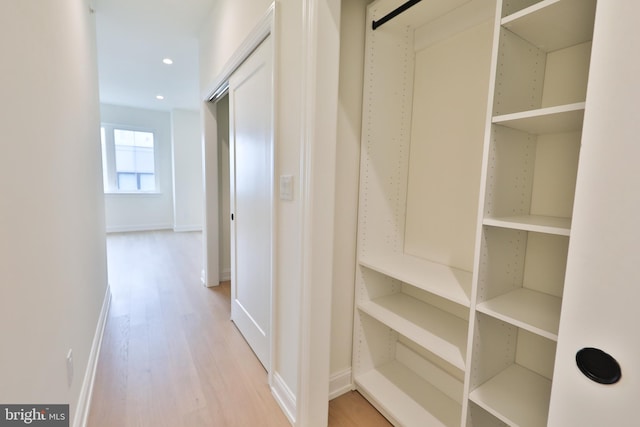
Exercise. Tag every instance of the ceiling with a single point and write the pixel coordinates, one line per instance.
(133, 38)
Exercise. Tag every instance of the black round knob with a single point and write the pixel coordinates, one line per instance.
(598, 366)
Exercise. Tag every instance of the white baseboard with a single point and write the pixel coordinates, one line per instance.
(187, 228)
(203, 280)
(225, 275)
(285, 398)
(340, 383)
(84, 401)
(141, 227)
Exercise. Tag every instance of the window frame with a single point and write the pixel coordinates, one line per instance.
(110, 175)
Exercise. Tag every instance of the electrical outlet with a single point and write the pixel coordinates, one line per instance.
(70, 367)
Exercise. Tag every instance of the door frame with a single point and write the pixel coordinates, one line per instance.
(218, 89)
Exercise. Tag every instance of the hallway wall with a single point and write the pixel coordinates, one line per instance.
(186, 149)
(53, 275)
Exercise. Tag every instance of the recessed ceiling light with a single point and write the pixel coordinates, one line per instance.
(167, 61)
(160, 97)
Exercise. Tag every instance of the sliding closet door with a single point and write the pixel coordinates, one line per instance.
(251, 170)
(602, 287)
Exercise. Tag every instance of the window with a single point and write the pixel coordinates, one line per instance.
(128, 159)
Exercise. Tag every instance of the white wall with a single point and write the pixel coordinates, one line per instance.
(188, 195)
(222, 109)
(53, 275)
(347, 178)
(222, 32)
(210, 242)
(130, 212)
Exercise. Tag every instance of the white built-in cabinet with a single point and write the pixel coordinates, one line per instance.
(472, 118)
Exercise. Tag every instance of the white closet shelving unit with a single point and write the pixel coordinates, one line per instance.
(540, 82)
(426, 70)
(458, 303)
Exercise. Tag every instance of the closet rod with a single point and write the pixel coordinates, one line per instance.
(389, 16)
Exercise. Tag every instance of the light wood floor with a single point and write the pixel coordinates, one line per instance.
(171, 356)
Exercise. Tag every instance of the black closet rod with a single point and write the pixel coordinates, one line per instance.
(389, 16)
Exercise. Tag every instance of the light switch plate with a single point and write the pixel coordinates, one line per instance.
(286, 187)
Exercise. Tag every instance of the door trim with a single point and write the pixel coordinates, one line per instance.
(321, 65)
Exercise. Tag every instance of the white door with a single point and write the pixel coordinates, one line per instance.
(251, 174)
(601, 305)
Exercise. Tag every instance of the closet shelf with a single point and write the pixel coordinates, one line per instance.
(442, 333)
(407, 398)
(444, 281)
(527, 309)
(554, 24)
(537, 223)
(557, 119)
(516, 396)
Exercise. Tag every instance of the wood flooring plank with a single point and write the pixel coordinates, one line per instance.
(352, 410)
(171, 355)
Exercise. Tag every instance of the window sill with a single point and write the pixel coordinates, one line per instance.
(133, 193)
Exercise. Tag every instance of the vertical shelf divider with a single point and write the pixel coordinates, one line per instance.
(532, 143)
